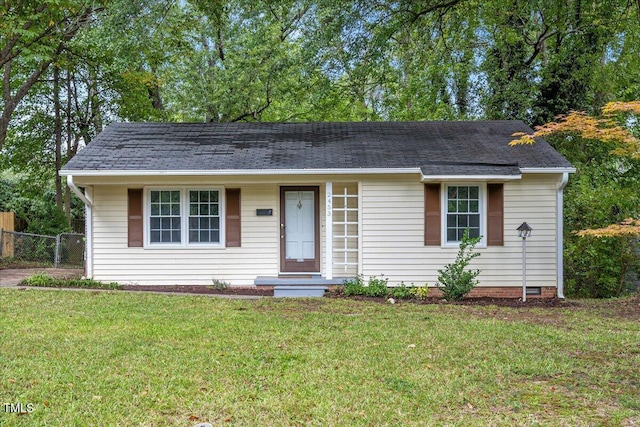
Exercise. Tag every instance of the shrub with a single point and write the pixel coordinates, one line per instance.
(420, 293)
(219, 285)
(354, 286)
(455, 280)
(401, 292)
(377, 287)
(45, 280)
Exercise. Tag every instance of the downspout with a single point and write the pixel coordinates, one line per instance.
(560, 232)
(88, 203)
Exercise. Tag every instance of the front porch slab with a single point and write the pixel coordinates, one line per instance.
(298, 281)
(313, 291)
(298, 286)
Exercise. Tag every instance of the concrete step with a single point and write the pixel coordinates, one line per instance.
(292, 291)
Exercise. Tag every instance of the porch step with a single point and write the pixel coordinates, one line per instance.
(293, 291)
(297, 281)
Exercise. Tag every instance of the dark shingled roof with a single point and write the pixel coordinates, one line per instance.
(438, 148)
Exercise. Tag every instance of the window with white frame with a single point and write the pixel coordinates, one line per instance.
(204, 216)
(164, 221)
(174, 213)
(463, 209)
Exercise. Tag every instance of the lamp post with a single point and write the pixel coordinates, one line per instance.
(524, 231)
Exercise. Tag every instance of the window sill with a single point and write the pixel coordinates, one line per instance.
(183, 247)
(457, 246)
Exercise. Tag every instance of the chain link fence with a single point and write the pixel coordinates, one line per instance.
(66, 249)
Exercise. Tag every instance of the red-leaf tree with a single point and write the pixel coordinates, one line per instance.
(616, 245)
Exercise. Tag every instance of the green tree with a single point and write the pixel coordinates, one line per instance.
(602, 199)
(32, 36)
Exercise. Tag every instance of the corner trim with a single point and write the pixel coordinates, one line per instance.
(560, 235)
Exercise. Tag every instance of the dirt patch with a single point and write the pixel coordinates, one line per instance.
(13, 276)
(482, 301)
(628, 308)
(203, 290)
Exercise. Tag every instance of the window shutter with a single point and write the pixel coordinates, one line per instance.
(495, 215)
(432, 230)
(135, 218)
(232, 219)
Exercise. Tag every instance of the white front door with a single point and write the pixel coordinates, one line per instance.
(299, 223)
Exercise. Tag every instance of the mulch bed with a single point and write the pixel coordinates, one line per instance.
(337, 293)
(205, 290)
(481, 301)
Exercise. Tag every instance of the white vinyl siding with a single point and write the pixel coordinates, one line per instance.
(390, 234)
(194, 264)
(393, 234)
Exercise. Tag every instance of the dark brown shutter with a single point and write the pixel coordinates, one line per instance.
(233, 217)
(135, 217)
(432, 230)
(495, 214)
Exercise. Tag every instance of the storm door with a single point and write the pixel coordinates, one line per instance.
(299, 230)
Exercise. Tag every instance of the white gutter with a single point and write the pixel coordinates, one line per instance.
(88, 203)
(560, 231)
(328, 171)
(244, 172)
(548, 170)
(77, 191)
(440, 178)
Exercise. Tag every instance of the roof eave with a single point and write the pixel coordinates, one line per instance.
(549, 170)
(239, 172)
(470, 178)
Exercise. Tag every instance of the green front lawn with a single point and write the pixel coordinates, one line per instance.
(88, 358)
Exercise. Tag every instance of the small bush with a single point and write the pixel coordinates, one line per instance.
(401, 292)
(40, 279)
(420, 293)
(354, 286)
(377, 287)
(44, 280)
(455, 280)
(220, 285)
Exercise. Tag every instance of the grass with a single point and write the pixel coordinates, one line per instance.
(114, 358)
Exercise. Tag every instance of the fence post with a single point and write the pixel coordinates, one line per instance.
(56, 261)
(1, 241)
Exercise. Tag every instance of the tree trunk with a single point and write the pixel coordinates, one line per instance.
(57, 133)
(71, 151)
(94, 101)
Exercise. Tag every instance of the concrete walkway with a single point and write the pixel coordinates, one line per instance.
(10, 277)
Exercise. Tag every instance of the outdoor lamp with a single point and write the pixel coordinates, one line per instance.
(524, 231)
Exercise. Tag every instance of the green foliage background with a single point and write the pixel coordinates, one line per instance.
(73, 66)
